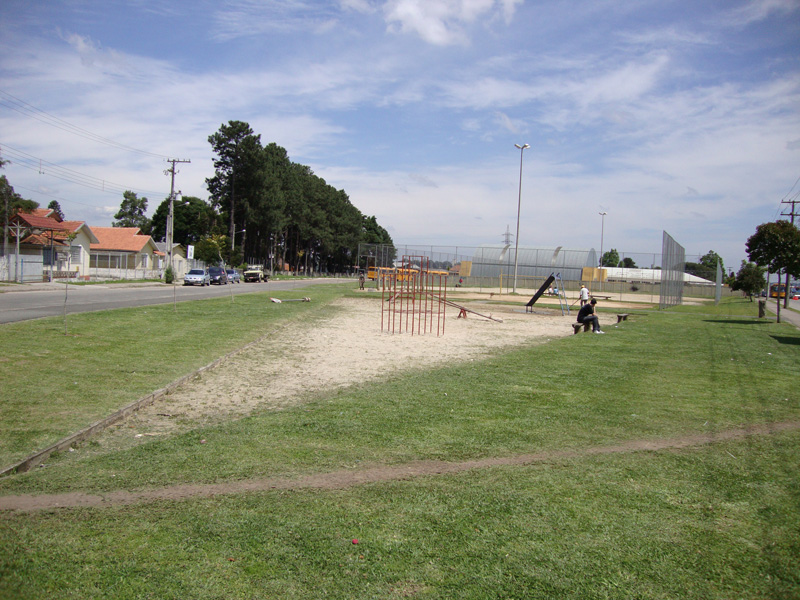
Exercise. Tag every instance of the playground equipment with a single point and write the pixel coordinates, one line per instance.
(539, 292)
(413, 300)
(559, 289)
(279, 301)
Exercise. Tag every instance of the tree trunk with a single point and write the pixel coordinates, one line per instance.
(786, 297)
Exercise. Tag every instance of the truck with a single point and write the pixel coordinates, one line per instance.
(254, 273)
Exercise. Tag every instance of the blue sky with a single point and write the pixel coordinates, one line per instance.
(673, 115)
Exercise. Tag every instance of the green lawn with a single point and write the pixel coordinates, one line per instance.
(720, 520)
(54, 384)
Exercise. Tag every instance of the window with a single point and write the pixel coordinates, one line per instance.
(144, 261)
(75, 254)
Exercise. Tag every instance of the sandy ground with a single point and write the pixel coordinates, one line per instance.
(285, 368)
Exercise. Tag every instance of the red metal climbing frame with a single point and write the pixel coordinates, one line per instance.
(413, 298)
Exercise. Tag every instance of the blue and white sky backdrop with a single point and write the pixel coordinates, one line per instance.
(676, 115)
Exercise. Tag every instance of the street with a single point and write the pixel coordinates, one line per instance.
(34, 301)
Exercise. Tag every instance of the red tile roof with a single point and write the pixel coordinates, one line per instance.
(37, 221)
(121, 239)
(38, 239)
(60, 229)
(45, 212)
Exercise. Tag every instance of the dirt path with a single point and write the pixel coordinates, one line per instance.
(369, 474)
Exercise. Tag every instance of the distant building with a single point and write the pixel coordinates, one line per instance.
(124, 253)
(495, 260)
(48, 246)
(648, 276)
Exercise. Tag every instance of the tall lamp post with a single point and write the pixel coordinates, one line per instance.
(519, 206)
(602, 230)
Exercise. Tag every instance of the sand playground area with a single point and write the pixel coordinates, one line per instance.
(303, 357)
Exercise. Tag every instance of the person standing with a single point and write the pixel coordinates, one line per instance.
(587, 315)
(584, 295)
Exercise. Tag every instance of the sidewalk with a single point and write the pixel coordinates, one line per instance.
(787, 315)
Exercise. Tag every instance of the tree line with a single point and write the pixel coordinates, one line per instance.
(262, 208)
(705, 268)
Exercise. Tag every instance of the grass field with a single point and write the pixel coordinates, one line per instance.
(594, 515)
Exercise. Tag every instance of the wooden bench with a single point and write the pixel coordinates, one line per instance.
(576, 327)
(621, 318)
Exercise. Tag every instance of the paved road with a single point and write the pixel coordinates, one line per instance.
(34, 301)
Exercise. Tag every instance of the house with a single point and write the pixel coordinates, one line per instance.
(123, 253)
(47, 247)
(180, 264)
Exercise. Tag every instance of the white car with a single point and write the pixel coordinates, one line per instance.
(197, 277)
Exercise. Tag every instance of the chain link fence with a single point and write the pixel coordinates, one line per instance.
(672, 268)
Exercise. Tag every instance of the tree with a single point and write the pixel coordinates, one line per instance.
(10, 203)
(776, 246)
(275, 209)
(132, 212)
(192, 219)
(238, 177)
(628, 263)
(749, 280)
(610, 258)
(710, 260)
(56, 208)
(700, 270)
(209, 249)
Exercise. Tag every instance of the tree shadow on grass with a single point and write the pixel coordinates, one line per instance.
(753, 321)
(785, 339)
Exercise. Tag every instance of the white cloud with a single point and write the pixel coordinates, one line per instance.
(248, 18)
(758, 10)
(442, 22)
(506, 122)
(362, 6)
(629, 121)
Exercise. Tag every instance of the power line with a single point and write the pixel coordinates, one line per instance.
(41, 193)
(22, 107)
(43, 167)
(790, 189)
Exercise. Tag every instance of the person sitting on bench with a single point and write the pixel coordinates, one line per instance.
(587, 315)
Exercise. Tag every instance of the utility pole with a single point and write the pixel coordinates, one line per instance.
(792, 213)
(170, 216)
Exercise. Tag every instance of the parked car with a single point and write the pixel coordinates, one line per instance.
(254, 273)
(217, 275)
(233, 275)
(197, 277)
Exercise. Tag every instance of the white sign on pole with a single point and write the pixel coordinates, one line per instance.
(190, 252)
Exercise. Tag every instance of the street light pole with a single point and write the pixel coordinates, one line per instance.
(602, 230)
(519, 206)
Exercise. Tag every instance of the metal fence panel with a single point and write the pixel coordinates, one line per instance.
(673, 263)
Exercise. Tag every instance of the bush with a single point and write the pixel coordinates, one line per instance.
(169, 274)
